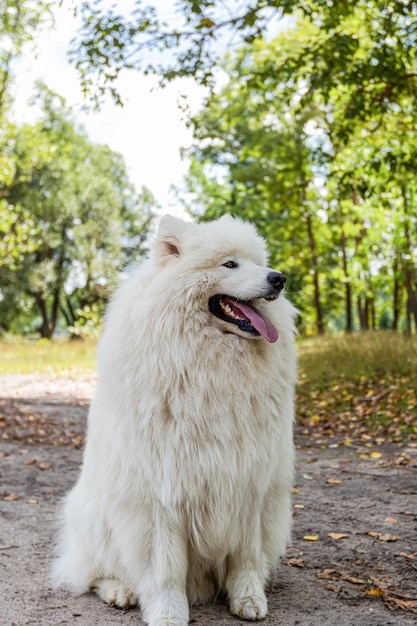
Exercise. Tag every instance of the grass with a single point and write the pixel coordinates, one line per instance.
(75, 358)
(323, 360)
(359, 386)
(372, 355)
(350, 386)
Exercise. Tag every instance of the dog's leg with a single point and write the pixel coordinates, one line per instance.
(163, 590)
(277, 509)
(276, 524)
(246, 577)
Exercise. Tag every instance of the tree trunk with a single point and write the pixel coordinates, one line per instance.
(68, 312)
(372, 312)
(411, 287)
(302, 185)
(55, 308)
(363, 313)
(316, 282)
(408, 318)
(408, 269)
(348, 287)
(396, 296)
(45, 329)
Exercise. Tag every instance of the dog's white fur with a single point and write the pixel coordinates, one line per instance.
(188, 466)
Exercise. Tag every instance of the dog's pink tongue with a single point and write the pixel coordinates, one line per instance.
(260, 322)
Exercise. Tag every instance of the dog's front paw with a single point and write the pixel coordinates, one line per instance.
(115, 593)
(168, 621)
(251, 608)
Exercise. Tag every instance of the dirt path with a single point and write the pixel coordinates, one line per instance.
(353, 561)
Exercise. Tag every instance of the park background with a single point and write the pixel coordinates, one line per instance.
(298, 116)
(309, 131)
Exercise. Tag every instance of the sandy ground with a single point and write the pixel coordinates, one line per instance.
(353, 561)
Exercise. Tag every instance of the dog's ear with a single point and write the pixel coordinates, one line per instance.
(168, 242)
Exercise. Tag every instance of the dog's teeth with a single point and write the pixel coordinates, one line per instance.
(228, 310)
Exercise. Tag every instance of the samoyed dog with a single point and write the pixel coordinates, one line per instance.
(185, 486)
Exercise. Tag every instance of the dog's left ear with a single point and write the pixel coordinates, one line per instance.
(168, 242)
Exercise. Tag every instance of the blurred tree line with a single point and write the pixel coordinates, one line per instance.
(70, 219)
(312, 136)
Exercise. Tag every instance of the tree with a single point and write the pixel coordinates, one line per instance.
(86, 220)
(274, 149)
(20, 20)
(349, 72)
(380, 71)
(258, 151)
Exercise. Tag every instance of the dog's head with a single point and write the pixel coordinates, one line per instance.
(220, 268)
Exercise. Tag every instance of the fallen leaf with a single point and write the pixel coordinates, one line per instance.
(334, 588)
(388, 537)
(326, 573)
(311, 537)
(333, 481)
(294, 562)
(43, 465)
(30, 461)
(391, 520)
(11, 497)
(374, 592)
(375, 455)
(408, 556)
(337, 536)
(352, 579)
(408, 604)
(31, 501)
(307, 477)
(298, 506)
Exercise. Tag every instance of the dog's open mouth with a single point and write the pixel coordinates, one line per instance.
(244, 315)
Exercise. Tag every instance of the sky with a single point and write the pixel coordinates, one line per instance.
(149, 130)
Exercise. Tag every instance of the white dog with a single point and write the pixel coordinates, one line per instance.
(188, 466)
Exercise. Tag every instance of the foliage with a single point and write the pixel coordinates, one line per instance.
(274, 147)
(74, 221)
(20, 20)
(302, 140)
(380, 68)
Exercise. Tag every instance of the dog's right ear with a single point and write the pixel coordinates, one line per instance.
(168, 244)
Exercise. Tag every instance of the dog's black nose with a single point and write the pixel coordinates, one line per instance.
(277, 280)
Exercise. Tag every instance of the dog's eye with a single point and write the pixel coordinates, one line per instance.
(230, 264)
